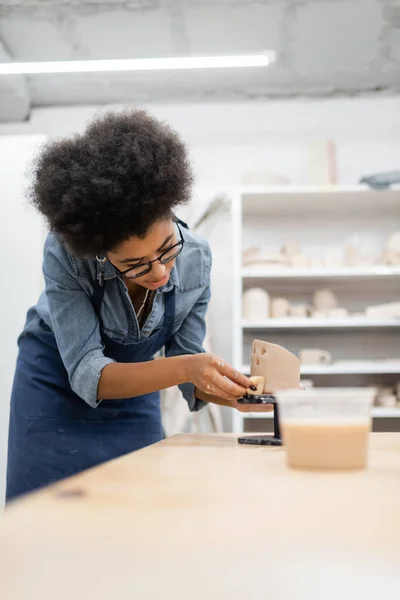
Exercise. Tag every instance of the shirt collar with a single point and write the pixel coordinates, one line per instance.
(173, 280)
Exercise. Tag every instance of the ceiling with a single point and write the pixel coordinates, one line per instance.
(324, 48)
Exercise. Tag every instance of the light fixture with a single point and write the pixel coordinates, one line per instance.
(138, 64)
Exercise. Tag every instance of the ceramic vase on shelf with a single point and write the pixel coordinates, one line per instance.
(255, 304)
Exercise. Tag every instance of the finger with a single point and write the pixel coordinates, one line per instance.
(234, 375)
(229, 387)
(214, 390)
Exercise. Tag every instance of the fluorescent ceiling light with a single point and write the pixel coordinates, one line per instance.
(138, 64)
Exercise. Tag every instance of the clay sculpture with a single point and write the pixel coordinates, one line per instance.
(279, 367)
(258, 382)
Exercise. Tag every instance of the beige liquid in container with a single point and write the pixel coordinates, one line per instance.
(326, 428)
(326, 445)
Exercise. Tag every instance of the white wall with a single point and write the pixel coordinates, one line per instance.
(228, 140)
(21, 240)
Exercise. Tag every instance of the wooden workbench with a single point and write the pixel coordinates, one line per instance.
(202, 517)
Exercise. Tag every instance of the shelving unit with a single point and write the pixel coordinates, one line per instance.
(348, 323)
(319, 220)
(376, 272)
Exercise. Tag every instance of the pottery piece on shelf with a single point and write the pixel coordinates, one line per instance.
(333, 259)
(357, 253)
(338, 313)
(299, 261)
(255, 304)
(289, 249)
(307, 383)
(280, 308)
(279, 367)
(322, 162)
(397, 391)
(391, 310)
(325, 299)
(259, 257)
(393, 250)
(319, 314)
(386, 397)
(352, 256)
(299, 311)
(315, 356)
(381, 181)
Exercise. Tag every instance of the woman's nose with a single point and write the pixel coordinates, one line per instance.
(158, 270)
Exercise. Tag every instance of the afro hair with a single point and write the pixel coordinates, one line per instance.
(124, 173)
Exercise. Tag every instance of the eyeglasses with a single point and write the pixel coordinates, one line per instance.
(164, 258)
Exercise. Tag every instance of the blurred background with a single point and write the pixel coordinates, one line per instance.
(306, 250)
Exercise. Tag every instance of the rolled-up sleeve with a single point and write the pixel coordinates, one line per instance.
(189, 339)
(75, 325)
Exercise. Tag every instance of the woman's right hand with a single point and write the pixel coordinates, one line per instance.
(214, 376)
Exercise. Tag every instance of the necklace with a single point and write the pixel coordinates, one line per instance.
(143, 304)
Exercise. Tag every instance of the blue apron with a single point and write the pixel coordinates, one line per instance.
(53, 433)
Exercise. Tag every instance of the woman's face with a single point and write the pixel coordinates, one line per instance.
(136, 251)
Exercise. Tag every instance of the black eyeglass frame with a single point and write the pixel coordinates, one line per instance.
(149, 264)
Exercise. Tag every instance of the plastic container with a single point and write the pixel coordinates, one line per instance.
(326, 428)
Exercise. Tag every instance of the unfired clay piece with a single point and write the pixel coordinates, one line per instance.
(315, 356)
(319, 314)
(338, 313)
(393, 250)
(384, 311)
(280, 308)
(279, 367)
(256, 256)
(386, 397)
(299, 261)
(255, 304)
(307, 384)
(322, 162)
(259, 383)
(289, 249)
(299, 311)
(324, 300)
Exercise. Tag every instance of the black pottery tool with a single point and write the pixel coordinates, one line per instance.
(263, 440)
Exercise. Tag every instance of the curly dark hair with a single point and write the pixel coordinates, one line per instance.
(124, 173)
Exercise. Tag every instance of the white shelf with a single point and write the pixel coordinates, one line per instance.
(347, 323)
(382, 412)
(378, 412)
(309, 190)
(377, 272)
(357, 368)
(349, 200)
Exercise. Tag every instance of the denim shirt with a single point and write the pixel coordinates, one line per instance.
(65, 307)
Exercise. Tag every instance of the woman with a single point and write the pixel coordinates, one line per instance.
(123, 279)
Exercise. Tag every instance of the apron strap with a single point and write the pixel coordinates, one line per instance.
(169, 312)
(97, 298)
